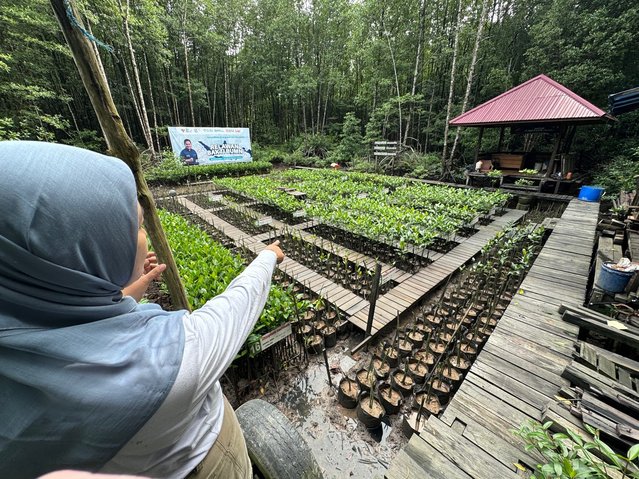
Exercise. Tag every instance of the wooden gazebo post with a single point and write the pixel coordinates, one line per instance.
(556, 149)
(481, 135)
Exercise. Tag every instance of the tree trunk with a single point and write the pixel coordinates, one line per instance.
(188, 79)
(399, 101)
(446, 163)
(119, 144)
(155, 117)
(471, 70)
(418, 62)
(186, 66)
(428, 118)
(144, 119)
(131, 91)
(227, 93)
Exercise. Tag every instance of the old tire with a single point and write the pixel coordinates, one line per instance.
(275, 447)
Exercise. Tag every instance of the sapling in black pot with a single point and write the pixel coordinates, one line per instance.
(418, 369)
(366, 377)
(402, 380)
(330, 332)
(416, 336)
(381, 365)
(390, 398)
(315, 342)
(458, 359)
(348, 392)
(369, 410)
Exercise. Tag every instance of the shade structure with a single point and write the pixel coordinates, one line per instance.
(538, 100)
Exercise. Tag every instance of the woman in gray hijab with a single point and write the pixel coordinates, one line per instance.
(89, 378)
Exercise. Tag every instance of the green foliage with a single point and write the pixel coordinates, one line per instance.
(271, 154)
(376, 206)
(528, 171)
(524, 182)
(418, 165)
(570, 455)
(363, 166)
(313, 146)
(494, 174)
(207, 268)
(619, 174)
(596, 42)
(170, 171)
(305, 73)
(88, 139)
(351, 145)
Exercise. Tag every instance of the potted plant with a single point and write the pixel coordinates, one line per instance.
(348, 392)
(369, 409)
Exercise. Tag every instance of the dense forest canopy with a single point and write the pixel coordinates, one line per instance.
(329, 69)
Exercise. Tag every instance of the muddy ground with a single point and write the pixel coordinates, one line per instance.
(342, 445)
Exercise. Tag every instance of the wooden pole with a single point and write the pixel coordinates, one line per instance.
(555, 151)
(328, 369)
(373, 301)
(501, 138)
(481, 134)
(119, 144)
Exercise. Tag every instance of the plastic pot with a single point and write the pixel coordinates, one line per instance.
(330, 336)
(390, 398)
(418, 370)
(364, 380)
(370, 417)
(381, 367)
(410, 425)
(347, 397)
(315, 343)
(403, 383)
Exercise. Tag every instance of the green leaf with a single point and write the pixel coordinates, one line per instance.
(633, 452)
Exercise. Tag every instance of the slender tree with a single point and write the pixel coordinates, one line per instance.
(141, 105)
(446, 162)
(118, 142)
(471, 69)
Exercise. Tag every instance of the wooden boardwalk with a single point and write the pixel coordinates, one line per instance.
(517, 374)
(411, 288)
(414, 288)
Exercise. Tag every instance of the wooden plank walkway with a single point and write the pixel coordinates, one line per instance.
(517, 374)
(414, 288)
(410, 290)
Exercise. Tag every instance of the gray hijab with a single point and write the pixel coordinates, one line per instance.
(81, 367)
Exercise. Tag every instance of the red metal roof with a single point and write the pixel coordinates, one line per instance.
(540, 99)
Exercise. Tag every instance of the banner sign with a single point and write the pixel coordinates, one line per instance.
(206, 146)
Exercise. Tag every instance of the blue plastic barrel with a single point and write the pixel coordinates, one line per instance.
(612, 280)
(590, 193)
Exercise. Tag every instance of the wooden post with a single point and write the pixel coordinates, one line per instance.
(328, 369)
(481, 134)
(501, 138)
(119, 144)
(555, 151)
(373, 301)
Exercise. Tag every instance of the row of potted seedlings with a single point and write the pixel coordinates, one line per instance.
(321, 324)
(408, 259)
(426, 361)
(324, 260)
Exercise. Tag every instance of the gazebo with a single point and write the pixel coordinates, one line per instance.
(539, 105)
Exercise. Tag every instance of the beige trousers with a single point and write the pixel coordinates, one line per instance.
(228, 458)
